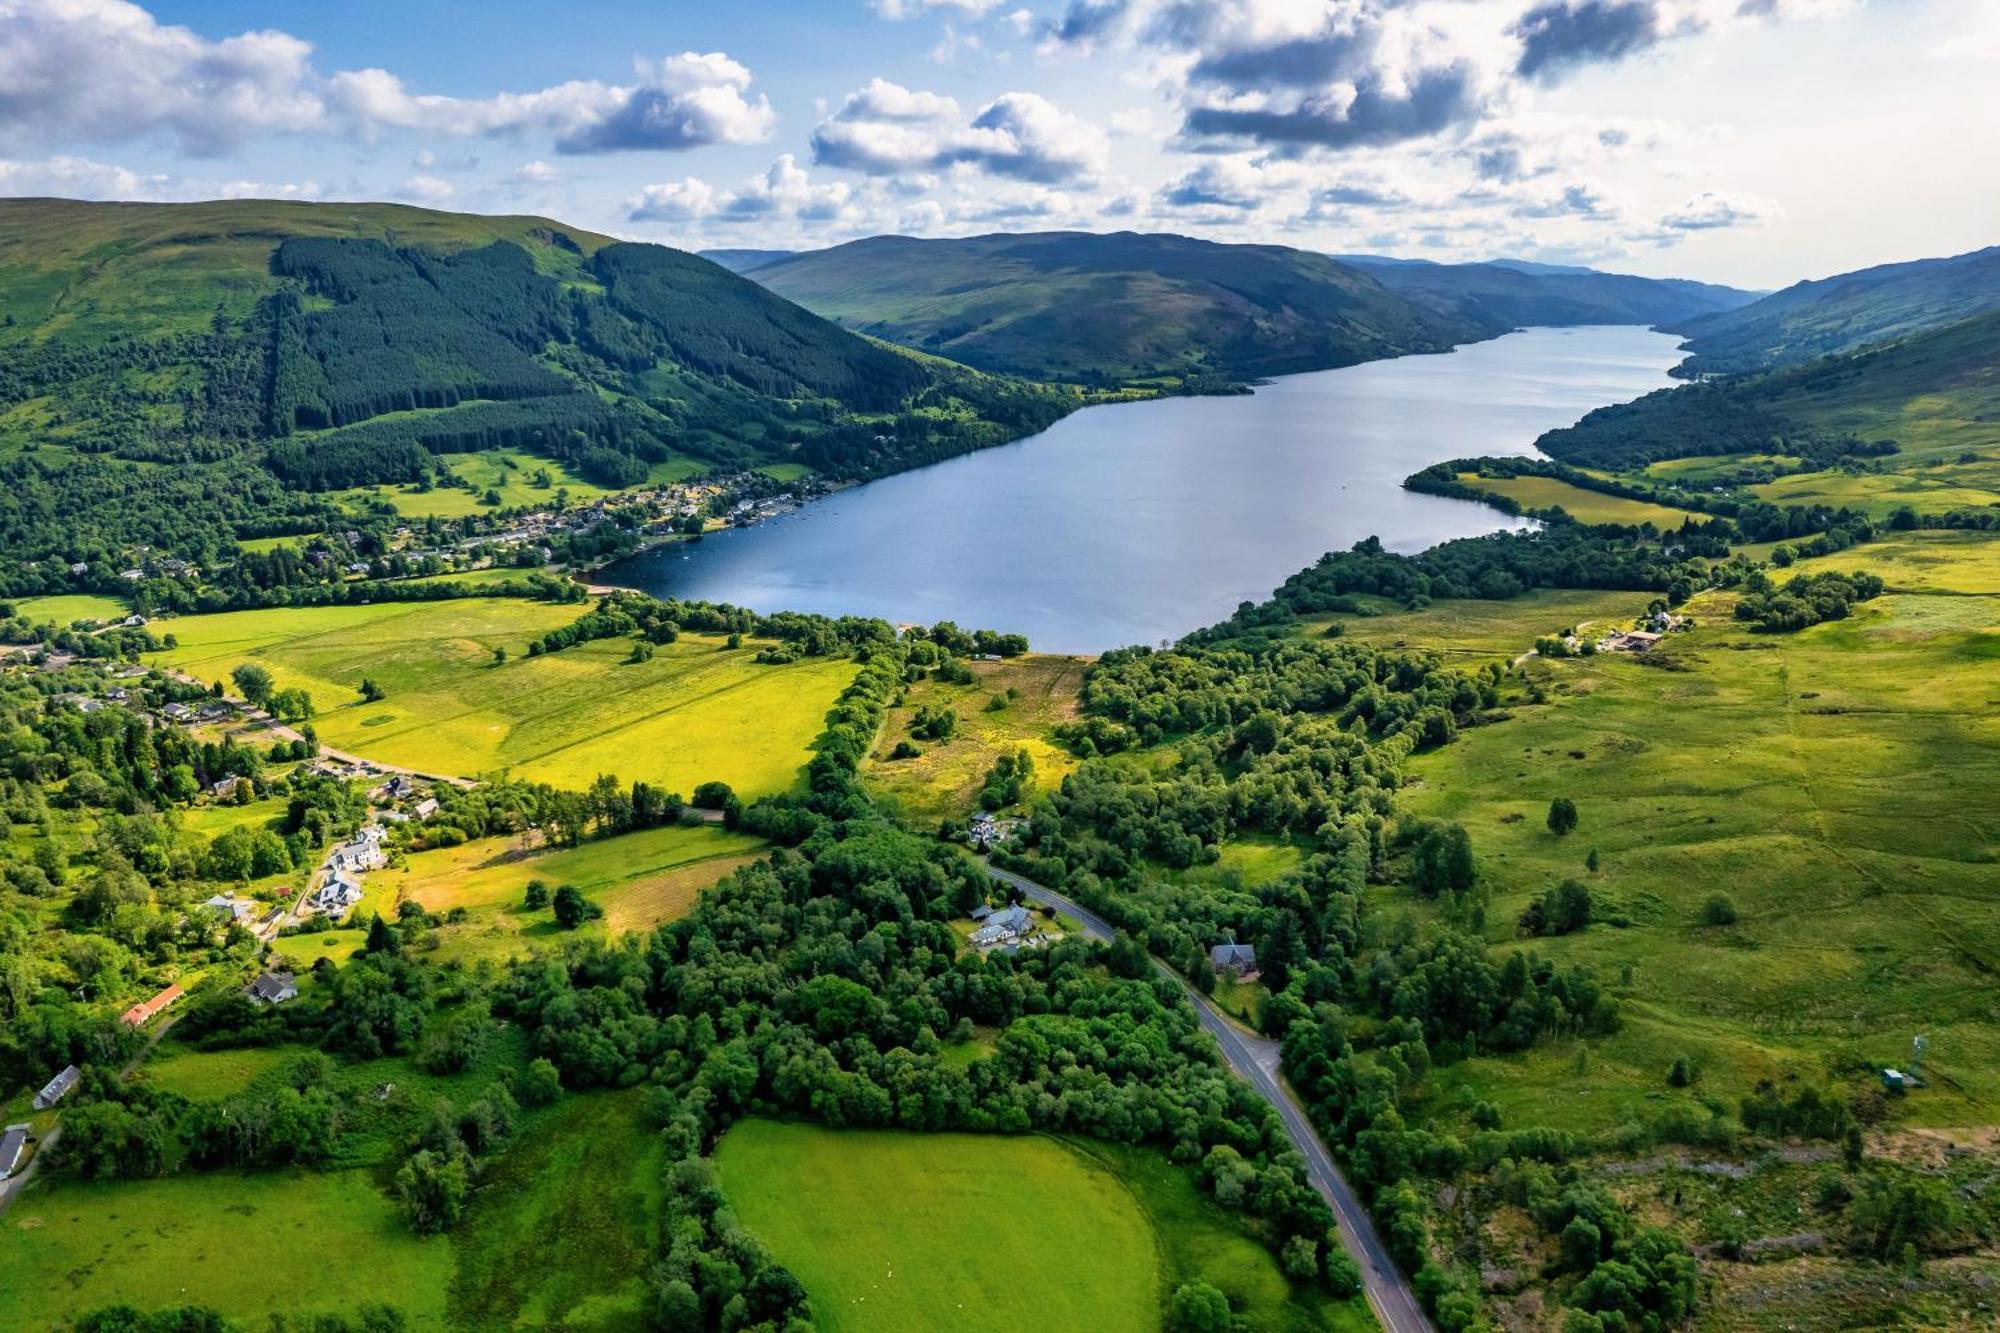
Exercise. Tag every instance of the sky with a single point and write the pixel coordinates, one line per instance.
(1754, 142)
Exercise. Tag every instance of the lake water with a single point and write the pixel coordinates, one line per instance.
(1138, 522)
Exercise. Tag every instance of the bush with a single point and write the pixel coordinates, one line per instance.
(1198, 1308)
(1718, 911)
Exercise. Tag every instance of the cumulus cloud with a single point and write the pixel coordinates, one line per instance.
(1341, 75)
(81, 178)
(786, 191)
(107, 70)
(1559, 35)
(1220, 184)
(885, 129)
(430, 190)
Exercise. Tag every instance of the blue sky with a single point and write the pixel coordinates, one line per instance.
(1751, 141)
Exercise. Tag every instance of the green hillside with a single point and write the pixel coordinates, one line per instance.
(1911, 423)
(270, 351)
(1509, 295)
(1077, 306)
(1842, 313)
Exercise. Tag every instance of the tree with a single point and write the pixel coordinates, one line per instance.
(1198, 1308)
(1680, 1073)
(1562, 815)
(572, 908)
(541, 1084)
(536, 897)
(499, 655)
(370, 691)
(253, 682)
(1718, 911)
(431, 1190)
(1890, 1213)
(1343, 1275)
(382, 937)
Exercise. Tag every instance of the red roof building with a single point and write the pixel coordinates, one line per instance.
(145, 1009)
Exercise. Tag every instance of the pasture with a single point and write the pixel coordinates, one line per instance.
(993, 1232)
(944, 781)
(1472, 632)
(696, 712)
(247, 1245)
(1834, 784)
(66, 610)
(1581, 504)
(640, 880)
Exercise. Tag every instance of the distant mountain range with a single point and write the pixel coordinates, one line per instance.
(1083, 306)
(1077, 306)
(1517, 292)
(1841, 313)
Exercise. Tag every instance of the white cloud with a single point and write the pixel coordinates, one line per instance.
(107, 71)
(785, 193)
(427, 190)
(910, 9)
(537, 172)
(1712, 210)
(886, 129)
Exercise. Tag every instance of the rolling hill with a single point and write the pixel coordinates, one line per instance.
(268, 350)
(1075, 306)
(1516, 292)
(1909, 422)
(1841, 313)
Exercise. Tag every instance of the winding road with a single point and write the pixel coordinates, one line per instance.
(1256, 1060)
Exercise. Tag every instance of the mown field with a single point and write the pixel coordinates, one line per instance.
(696, 712)
(1036, 693)
(891, 1231)
(67, 610)
(639, 879)
(1585, 506)
(1834, 784)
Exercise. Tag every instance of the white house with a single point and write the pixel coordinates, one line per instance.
(1009, 925)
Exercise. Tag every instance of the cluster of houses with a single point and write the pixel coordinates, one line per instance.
(340, 882)
(989, 831)
(1655, 627)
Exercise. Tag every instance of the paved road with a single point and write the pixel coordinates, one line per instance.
(1256, 1060)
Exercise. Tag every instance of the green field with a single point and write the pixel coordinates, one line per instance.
(1585, 506)
(63, 611)
(563, 1229)
(1824, 782)
(695, 713)
(1472, 631)
(639, 879)
(944, 782)
(290, 1242)
(509, 472)
(894, 1231)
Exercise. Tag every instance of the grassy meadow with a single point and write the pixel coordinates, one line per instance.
(640, 880)
(944, 782)
(1471, 633)
(1585, 506)
(510, 472)
(249, 1245)
(65, 611)
(1826, 782)
(696, 712)
(891, 1231)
